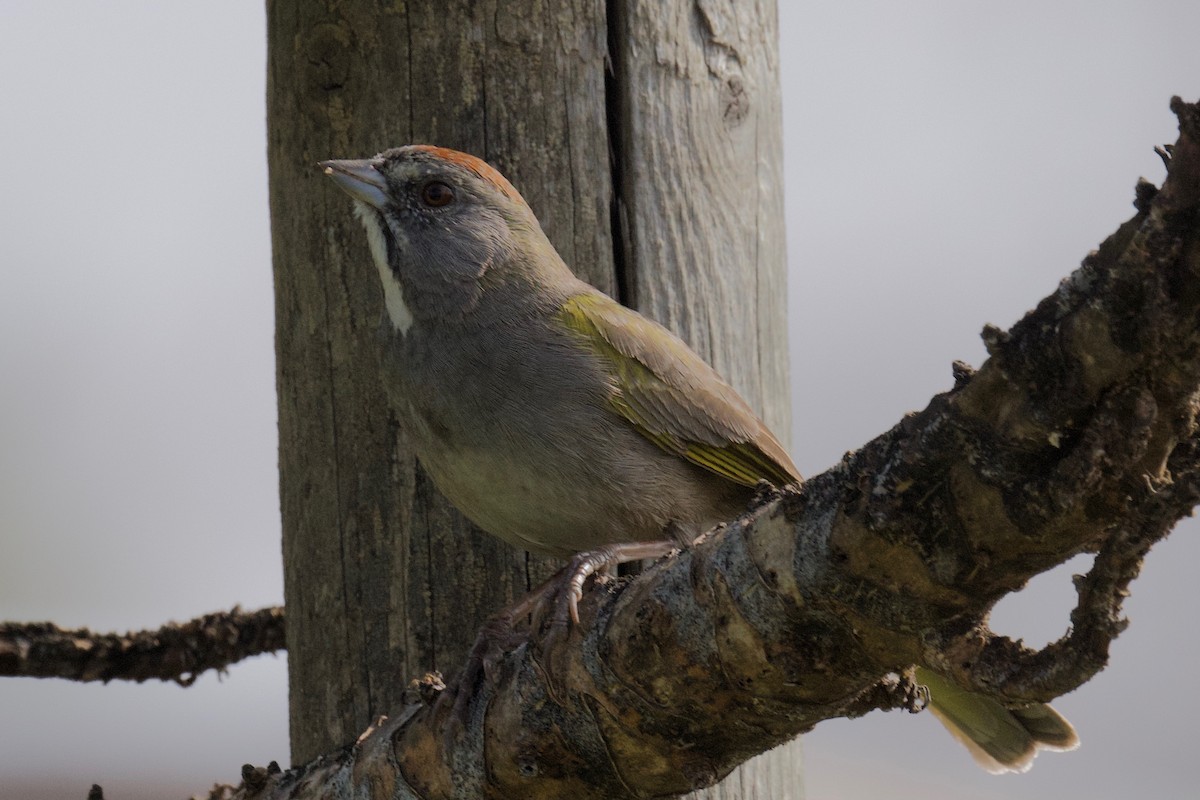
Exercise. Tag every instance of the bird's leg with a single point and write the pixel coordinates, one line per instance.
(584, 565)
(556, 602)
(558, 598)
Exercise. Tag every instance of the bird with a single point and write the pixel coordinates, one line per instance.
(556, 418)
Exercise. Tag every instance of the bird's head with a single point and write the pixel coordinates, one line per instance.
(442, 226)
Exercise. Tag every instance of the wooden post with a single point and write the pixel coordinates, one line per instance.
(385, 581)
(699, 135)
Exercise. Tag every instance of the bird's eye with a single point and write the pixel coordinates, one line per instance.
(436, 194)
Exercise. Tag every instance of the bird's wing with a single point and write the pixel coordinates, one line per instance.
(674, 398)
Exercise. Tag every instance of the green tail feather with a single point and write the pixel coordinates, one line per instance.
(1000, 739)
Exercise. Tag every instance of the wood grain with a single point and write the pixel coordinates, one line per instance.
(383, 579)
(701, 150)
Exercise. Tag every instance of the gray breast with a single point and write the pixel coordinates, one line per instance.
(516, 431)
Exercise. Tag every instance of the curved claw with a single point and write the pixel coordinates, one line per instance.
(583, 565)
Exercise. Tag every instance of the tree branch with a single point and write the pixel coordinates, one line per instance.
(177, 652)
(1017, 673)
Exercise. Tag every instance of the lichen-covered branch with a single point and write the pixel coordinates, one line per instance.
(177, 652)
(1018, 673)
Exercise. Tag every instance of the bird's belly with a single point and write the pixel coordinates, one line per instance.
(557, 514)
(540, 460)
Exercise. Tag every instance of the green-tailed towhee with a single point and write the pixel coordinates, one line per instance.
(551, 415)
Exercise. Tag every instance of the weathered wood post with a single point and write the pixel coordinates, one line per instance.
(659, 181)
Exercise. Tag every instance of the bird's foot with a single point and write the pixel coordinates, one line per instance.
(562, 593)
(555, 610)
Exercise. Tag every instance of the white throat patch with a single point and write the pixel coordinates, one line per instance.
(393, 298)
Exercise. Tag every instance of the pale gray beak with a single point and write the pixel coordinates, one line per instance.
(359, 179)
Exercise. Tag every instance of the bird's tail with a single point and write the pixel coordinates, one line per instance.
(1000, 739)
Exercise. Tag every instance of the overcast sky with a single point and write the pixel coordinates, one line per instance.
(946, 165)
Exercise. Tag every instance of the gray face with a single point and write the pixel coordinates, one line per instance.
(435, 225)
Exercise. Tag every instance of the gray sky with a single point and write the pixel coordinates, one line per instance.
(947, 164)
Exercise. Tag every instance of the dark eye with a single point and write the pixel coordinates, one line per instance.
(436, 194)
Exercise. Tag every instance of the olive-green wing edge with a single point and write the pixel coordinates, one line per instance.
(675, 399)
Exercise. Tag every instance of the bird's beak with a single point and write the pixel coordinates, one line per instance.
(359, 179)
